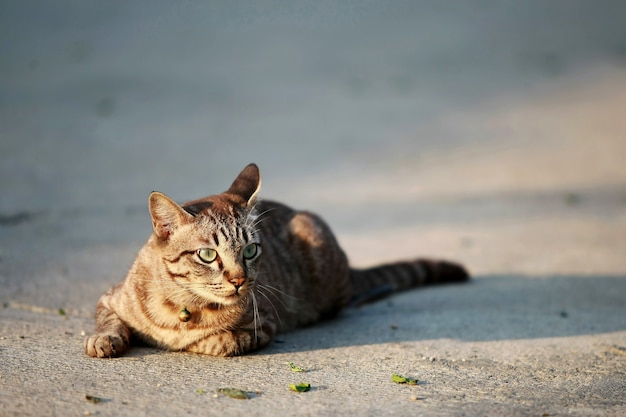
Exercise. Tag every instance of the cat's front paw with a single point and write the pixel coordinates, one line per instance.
(105, 345)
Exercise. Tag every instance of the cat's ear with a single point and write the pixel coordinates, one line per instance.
(247, 184)
(166, 214)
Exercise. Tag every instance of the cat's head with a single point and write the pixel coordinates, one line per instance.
(210, 247)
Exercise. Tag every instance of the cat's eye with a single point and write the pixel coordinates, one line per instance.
(250, 251)
(207, 255)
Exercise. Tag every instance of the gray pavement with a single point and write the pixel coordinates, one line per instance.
(488, 132)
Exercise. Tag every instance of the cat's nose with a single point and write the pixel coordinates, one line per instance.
(237, 282)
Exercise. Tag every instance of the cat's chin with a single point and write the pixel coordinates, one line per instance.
(211, 299)
(229, 300)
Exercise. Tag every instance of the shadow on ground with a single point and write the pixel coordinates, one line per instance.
(487, 309)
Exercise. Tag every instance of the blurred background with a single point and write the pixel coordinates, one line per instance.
(493, 132)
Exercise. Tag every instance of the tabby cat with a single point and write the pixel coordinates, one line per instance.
(223, 274)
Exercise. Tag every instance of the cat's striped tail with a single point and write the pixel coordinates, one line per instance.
(374, 283)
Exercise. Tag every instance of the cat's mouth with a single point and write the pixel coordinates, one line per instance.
(221, 297)
(233, 296)
(237, 294)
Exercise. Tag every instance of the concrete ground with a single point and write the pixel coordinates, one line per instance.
(493, 133)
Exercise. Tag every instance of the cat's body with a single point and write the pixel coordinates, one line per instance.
(222, 275)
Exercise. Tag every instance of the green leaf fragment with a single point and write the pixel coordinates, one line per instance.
(62, 312)
(301, 387)
(234, 393)
(399, 379)
(295, 368)
(92, 399)
(200, 391)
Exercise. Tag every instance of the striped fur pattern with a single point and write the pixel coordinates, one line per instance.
(223, 274)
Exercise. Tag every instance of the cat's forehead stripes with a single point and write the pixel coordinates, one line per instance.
(223, 230)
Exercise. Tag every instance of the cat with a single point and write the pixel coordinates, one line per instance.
(223, 274)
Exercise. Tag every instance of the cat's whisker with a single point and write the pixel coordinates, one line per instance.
(282, 303)
(259, 218)
(276, 290)
(255, 314)
(272, 304)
